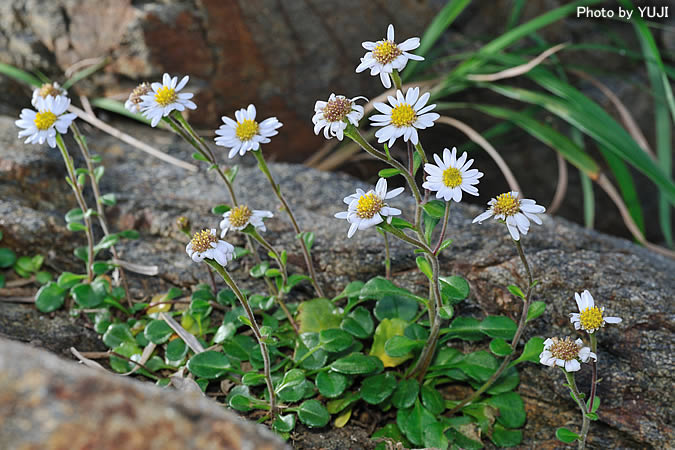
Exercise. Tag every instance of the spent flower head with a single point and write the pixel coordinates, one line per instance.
(590, 318)
(565, 353)
(42, 125)
(333, 115)
(385, 56)
(47, 89)
(165, 97)
(133, 103)
(240, 216)
(516, 212)
(367, 209)
(451, 175)
(205, 244)
(245, 134)
(403, 116)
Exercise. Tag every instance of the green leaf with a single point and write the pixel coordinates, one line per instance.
(387, 329)
(454, 289)
(43, 277)
(498, 327)
(258, 270)
(511, 409)
(435, 208)
(317, 315)
(536, 310)
(401, 224)
(19, 75)
(128, 349)
(503, 437)
(335, 339)
(24, 264)
(7, 258)
(313, 414)
(465, 328)
(101, 267)
(379, 287)
(388, 173)
(445, 244)
(432, 400)
(199, 157)
(392, 432)
(358, 323)
(405, 393)
(378, 388)
(175, 351)
(308, 342)
(515, 290)
(506, 382)
(224, 332)
(75, 226)
(98, 173)
(395, 307)
(596, 404)
(107, 242)
(398, 346)
(339, 404)
(253, 379)
(74, 215)
(208, 364)
(357, 364)
(117, 334)
(67, 280)
(434, 437)
(414, 421)
(331, 384)
(531, 352)
(109, 199)
(479, 365)
(308, 238)
(49, 298)
(158, 331)
(424, 266)
(500, 347)
(291, 388)
(129, 234)
(284, 423)
(565, 435)
(220, 209)
(85, 296)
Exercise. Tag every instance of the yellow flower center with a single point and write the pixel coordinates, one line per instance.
(202, 240)
(566, 350)
(240, 216)
(506, 204)
(369, 205)
(246, 129)
(386, 51)
(48, 89)
(452, 177)
(44, 120)
(591, 318)
(336, 110)
(165, 96)
(403, 115)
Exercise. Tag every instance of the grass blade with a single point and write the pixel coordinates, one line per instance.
(19, 75)
(118, 108)
(586, 185)
(626, 185)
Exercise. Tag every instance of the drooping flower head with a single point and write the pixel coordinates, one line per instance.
(367, 209)
(332, 116)
(589, 318)
(133, 103)
(245, 134)
(385, 56)
(164, 98)
(47, 89)
(565, 353)
(240, 216)
(42, 125)
(451, 175)
(403, 116)
(205, 244)
(515, 211)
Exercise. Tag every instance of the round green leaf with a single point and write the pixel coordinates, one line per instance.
(292, 388)
(313, 414)
(175, 351)
(357, 364)
(209, 364)
(454, 289)
(500, 347)
(358, 323)
(503, 437)
(158, 331)
(75, 226)
(85, 296)
(479, 365)
(498, 327)
(284, 424)
(405, 393)
(511, 409)
(253, 379)
(536, 309)
(331, 384)
(118, 333)
(7, 258)
(398, 346)
(395, 307)
(49, 298)
(378, 388)
(432, 400)
(67, 279)
(43, 277)
(565, 435)
(335, 340)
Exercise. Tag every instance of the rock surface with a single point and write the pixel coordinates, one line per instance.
(51, 404)
(636, 364)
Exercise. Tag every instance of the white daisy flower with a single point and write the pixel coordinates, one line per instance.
(565, 353)
(133, 103)
(43, 124)
(334, 115)
(205, 244)
(385, 56)
(246, 134)
(516, 212)
(404, 117)
(53, 89)
(451, 176)
(164, 98)
(367, 209)
(239, 217)
(589, 318)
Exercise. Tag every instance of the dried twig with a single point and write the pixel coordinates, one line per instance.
(561, 187)
(518, 70)
(189, 338)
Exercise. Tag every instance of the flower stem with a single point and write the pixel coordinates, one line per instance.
(594, 367)
(446, 216)
(277, 190)
(84, 149)
(80, 201)
(586, 422)
(514, 342)
(387, 257)
(397, 79)
(256, 331)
